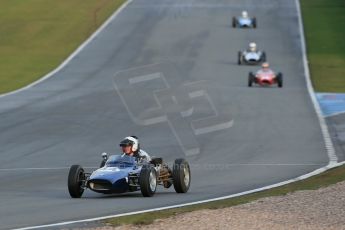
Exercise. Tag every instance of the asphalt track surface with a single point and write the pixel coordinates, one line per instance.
(165, 71)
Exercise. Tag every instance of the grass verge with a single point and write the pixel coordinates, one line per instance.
(322, 180)
(324, 23)
(37, 35)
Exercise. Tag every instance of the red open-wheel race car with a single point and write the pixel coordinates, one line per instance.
(265, 77)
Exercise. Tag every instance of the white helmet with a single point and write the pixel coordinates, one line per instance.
(244, 14)
(265, 65)
(252, 46)
(130, 141)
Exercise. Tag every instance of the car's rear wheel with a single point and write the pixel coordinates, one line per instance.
(76, 180)
(280, 80)
(181, 176)
(148, 180)
(250, 79)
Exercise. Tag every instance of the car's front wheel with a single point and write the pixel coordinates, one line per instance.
(239, 58)
(254, 23)
(76, 181)
(148, 180)
(280, 80)
(250, 79)
(234, 22)
(264, 57)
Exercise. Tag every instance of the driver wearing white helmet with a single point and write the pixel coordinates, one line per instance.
(252, 47)
(244, 14)
(131, 147)
(265, 68)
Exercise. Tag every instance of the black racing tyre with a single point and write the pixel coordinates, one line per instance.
(280, 80)
(76, 180)
(264, 57)
(234, 22)
(239, 60)
(250, 79)
(254, 23)
(181, 176)
(148, 180)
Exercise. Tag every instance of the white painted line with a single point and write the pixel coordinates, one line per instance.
(192, 165)
(318, 171)
(75, 53)
(148, 77)
(29, 169)
(324, 129)
(213, 128)
(253, 164)
(198, 93)
(32, 169)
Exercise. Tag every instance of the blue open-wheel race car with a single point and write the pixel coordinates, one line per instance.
(122, 173)
(244, 21)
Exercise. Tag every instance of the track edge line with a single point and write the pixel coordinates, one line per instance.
(324, 128)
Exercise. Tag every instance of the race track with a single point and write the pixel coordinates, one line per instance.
(167, 72)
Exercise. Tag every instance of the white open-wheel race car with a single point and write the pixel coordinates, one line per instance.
(122, 173)
(244, 22)
(251, 57)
